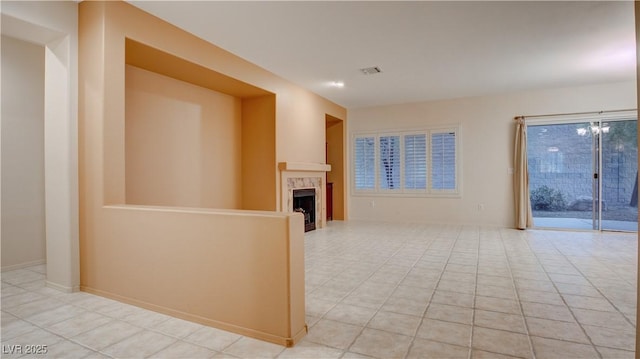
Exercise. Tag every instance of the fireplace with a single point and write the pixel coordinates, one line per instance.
(304, 201)
(303, 176)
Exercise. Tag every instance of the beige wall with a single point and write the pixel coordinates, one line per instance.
(23, 195)
(241, 271)
(182, 143)
(487, 134)
(258, 153)
(300, 128)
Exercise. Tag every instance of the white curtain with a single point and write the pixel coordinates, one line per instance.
(524, 217)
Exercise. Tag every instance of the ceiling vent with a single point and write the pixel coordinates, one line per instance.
(371, 70)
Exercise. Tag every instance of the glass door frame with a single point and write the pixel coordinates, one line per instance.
(595, 119)
(596, 213)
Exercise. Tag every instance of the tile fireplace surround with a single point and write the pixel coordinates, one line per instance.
(297, 175)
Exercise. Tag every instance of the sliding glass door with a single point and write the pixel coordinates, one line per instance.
(619, 175)
(583, 175)
(561, 168)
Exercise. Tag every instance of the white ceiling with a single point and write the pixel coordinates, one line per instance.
(426, 50)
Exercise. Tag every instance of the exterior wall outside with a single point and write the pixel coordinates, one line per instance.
(619, 177)
(487, 140)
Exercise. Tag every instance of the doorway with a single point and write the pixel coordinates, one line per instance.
(59, 147)
(22, 154)
(584, 174)
(334, 129)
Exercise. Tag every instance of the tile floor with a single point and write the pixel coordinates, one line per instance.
(385, 291)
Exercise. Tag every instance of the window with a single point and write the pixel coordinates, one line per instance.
(365, 172)
(418, 162)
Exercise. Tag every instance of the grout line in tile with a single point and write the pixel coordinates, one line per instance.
(562, 297)
(379, 308)
(591, 283)
(424, 312)
(515, 290)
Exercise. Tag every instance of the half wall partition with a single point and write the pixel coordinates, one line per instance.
(174, 219)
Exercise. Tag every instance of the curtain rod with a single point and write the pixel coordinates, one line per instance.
(571, 114)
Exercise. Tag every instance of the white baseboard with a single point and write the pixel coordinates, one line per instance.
(62, 288)
(23, 265)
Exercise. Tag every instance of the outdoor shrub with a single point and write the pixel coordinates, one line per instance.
(547, 199)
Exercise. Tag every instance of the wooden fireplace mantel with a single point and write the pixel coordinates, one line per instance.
(304, 167)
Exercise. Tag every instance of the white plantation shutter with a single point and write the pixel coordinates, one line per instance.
(389, 154)
(443, 161)
(419, 163)
(415, 161)
(365, 163)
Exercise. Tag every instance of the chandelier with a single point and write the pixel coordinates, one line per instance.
(594, 128)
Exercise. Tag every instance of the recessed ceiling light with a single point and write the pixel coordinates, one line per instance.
(337, 84)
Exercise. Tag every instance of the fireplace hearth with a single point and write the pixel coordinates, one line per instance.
(304, 201)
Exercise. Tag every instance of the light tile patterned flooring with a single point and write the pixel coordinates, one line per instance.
(386, 291)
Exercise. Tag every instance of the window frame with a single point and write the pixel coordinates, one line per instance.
(401, 191)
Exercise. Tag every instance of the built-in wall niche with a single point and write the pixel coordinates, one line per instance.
(195, 137)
